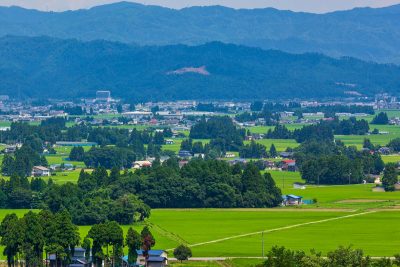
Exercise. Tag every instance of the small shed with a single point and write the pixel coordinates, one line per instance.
(291, 200)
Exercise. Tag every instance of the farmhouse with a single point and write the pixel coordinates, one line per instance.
(40, 171)
(230, 155)
(184, 154)
(169, 142)
(286, 154)
(289, 165)
(141, 163)
(384, 150)
(290, 200)
(65, 167)
(77, 260)
(65, 143)
(157, 258)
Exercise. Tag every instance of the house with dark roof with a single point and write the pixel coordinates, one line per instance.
(185, 154)
(157, 258)
(286, 154)
(80, 258)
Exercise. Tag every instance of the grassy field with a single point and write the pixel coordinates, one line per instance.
(280, 144)
(379, 139)
(391, 158)
(176, 146)
(237, 232)
(264, 129)
(376, 233)
(344, 215)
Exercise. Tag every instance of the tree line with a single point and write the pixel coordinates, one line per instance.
(324, 130)
(29, 238)
(204, 183)
(334, 163)
(340, 257)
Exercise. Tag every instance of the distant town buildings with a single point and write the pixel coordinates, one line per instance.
(103, 96)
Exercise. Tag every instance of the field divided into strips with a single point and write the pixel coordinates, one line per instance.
(201, 226)
(376, 233)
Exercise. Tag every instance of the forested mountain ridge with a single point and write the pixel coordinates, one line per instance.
(366, 33)
(47, 67)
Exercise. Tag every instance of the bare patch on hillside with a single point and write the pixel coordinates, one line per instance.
(200, 70)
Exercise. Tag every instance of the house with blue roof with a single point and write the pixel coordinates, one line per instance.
(291, 200)
(157, 258)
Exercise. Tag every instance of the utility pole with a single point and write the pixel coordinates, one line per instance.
(349, 177)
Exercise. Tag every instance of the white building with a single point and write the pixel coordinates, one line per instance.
(40, 171)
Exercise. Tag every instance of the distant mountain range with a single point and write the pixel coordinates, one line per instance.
(365, 33)
(43, 67)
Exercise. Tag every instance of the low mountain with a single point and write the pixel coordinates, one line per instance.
(44, 67)
(366, 33)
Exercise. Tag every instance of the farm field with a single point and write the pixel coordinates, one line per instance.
(391, 158)
(280, 144)
(264, 129)
(379, 139)
(376, 233)
(344, 215)
(176, 146)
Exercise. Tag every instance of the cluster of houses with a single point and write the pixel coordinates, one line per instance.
(284, 164)
(83, 258)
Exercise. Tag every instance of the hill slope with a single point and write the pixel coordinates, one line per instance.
(47, 67)
(369, 34)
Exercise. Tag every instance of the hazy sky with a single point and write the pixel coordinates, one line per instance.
(317, 6)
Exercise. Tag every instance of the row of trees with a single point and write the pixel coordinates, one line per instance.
(222, 131)
(203, 183)
(334, 163)
(96, 198)
(106, 241)
(28, 238)
(22, 162)
(380, 119)
(325, 130)
(340, 257)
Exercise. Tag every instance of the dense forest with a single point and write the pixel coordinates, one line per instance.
(327, 162)
(127, 197)
(56, 68)
(324, 130)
